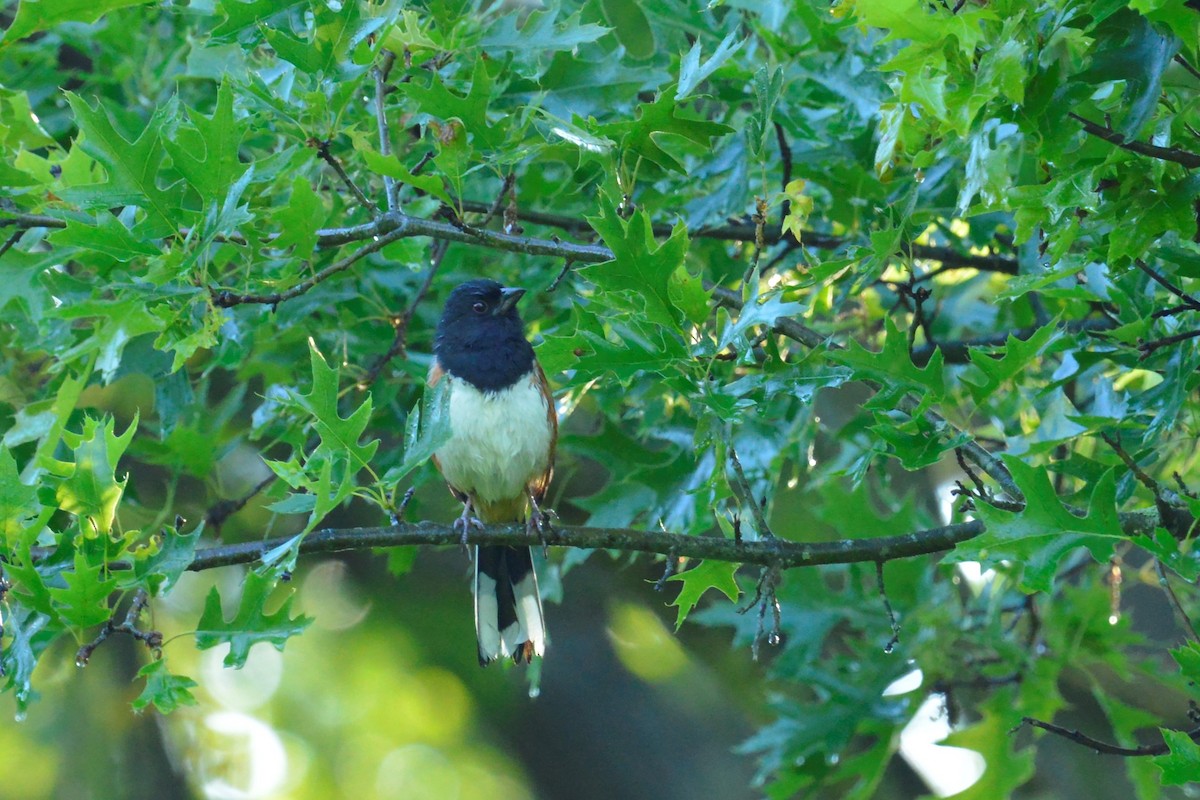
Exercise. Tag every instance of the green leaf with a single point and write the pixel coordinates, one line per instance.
(1182, 765)
(18, 501)
(654, 119)
(160, 564)
(91, 489)
(339, 436)
(1188, 659)
(692, 72)
(632, 28)
(472, 109)
(28, 637)
(164, 691)
(207, 154)
(242, 14)
(108, 236)
(1041, 534)
(84, 601)
(117, 323)
(132, 167)
(41, 15)
(641, 267)
(1132, 51)
(539, 33)
(338, 33)
(251, 624)
(426, 429)
(893, 366)
(301, 218)
(707, 575)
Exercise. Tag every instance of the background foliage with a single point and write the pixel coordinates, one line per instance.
(786, 262)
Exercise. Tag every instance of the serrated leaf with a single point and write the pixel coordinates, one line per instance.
(707, 575)
(161, 563)
(893, 365)
(1188, 659)
(339, 436)
(1182, 765)
(538, 32)
(426, 429)
(108, 236)
(41, 15)
(25, 630)
(641, 266)
(18, 502)
(91, 489)
(692, 72)
(251, 624)
(654, 119)
(163, 690)
(207, 154)
(131, 167)
(242, 14)
(84, 601)
(1016, 356)
(1041, 534)
(472, 109)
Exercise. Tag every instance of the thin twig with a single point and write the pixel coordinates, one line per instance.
(671, 568)
(1174, 598)
(400, 340)
(224, 509)
(1161, 280)
(8, 243)
(225, 298)
(322, 146)
(382, 70)
(1132, 465)
(765, 597)
(151, 638)
(1174, 154)
(562, 274)
(1187, 66)
(1148, 348)
(509, 180)
(1105, 748)
(745, 494)
(887, 605)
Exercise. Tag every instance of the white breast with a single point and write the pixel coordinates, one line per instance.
(499, 441)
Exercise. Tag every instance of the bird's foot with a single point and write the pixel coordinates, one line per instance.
(539, 523)
(465, 523)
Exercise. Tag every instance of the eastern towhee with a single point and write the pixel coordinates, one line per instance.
(500, 455)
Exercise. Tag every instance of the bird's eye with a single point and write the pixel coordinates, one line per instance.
(479, 307)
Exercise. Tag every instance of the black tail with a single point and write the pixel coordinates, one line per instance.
(508, 608)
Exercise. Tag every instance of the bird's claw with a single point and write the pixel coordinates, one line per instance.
(465, 523)
(539, 524)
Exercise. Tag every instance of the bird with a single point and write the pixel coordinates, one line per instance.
(499, 458)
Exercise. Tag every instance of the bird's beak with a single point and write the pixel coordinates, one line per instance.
(508, 299)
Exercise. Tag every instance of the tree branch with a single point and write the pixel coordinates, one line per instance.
(786, 554)
(335, 237)
(1184, 157)
(746, 232)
